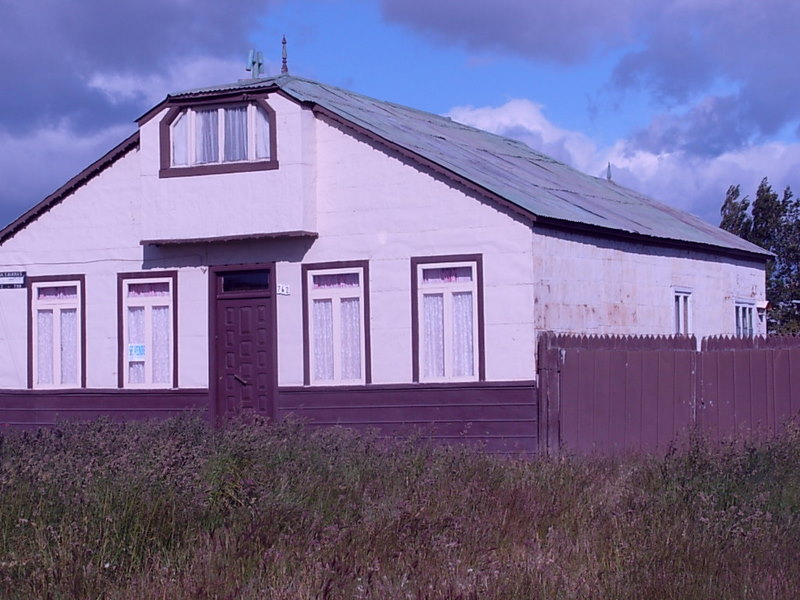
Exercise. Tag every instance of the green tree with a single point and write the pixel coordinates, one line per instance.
(772, 222)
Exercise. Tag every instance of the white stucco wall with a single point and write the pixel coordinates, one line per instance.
(586, 285)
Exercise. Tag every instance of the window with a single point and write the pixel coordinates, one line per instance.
(682, 304)
(744, 319)
(148, 330)
(336, 311)
(217, 139)
(56, 332)
(447, 318)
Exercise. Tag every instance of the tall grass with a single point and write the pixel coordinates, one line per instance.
(175, 510)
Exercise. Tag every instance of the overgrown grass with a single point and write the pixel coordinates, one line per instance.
(174, 510)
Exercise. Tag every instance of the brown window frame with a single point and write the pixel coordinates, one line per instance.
(122, 278)
(165, 139)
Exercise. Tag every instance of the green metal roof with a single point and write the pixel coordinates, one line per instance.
(547, 189)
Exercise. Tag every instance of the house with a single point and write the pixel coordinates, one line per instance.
(284, 246)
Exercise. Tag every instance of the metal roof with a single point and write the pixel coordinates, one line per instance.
(547, 189)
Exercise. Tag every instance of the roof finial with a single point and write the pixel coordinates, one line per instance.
(255, 64)
(608, 172)
(284, 66)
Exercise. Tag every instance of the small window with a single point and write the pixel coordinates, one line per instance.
(447, 321)
(148, 331)
(682, 312)
(56, 336)
(218, 139)
(336, 317)
(744, 319)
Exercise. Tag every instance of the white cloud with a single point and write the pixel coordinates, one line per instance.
(695, 184)
(199, 71)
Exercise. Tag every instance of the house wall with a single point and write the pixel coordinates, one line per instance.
(376, 207)
(594, 286)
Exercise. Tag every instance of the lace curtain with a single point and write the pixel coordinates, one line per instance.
(69, 346)
(160, 355)
(351, 338)
(236, 133)
(433, 335)
(207, 132)
(322, 315)
(262, 135)
(179, 138)
(463, 348)
(136, 370)
(44, 346)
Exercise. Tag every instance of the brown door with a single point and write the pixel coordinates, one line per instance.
(243, 359)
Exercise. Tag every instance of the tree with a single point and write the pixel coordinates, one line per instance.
(772, 222)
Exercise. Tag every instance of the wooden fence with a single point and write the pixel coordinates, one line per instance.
(613, 393)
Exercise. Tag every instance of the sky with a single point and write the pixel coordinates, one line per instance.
(682, 97)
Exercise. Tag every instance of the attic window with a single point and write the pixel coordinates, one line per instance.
(207, 139)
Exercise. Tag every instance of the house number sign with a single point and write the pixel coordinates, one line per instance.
(12, 279)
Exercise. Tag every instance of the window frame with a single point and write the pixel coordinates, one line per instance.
(309, 294)
(417, 290)
(122, 305)
(33, 284)
(744, 309)
(165, 138)
(682, 308)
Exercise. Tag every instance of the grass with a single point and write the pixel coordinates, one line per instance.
(176, 511)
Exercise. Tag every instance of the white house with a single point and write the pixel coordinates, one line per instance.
(284, 246)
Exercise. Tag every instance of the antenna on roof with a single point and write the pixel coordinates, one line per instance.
(284, 66)
(608, 172)
(255, 64)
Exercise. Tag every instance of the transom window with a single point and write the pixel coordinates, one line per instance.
(148, 331)
(56, 336)
(447, 320)
(744, 319)
(336, 317)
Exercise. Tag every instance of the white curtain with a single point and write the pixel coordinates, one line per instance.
(136, 336)
(161, 336)
(69, 346)
(236, 133)
(179, 140)
(463, 346)
(351, 338)
(433, 335)
(262, 135)
(322, 315)
(207, 136)
(44, 346)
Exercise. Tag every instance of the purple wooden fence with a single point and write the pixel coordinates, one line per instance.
(607, 394)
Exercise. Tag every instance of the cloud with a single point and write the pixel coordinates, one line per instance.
(37, 163)
(53, 50)
(718, 70)
(693, 183)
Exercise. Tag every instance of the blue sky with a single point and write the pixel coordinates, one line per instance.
(682, 97)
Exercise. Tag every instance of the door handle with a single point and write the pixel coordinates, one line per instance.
(239, 379)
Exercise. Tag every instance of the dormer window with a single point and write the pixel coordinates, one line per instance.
(206, 139)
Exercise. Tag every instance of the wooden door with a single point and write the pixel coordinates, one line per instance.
(243, 352)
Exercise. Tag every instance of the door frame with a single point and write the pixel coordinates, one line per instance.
(215, 293)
